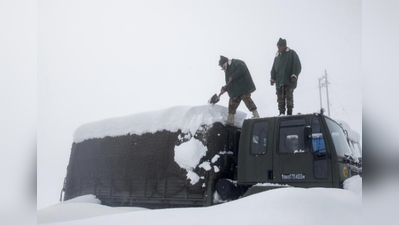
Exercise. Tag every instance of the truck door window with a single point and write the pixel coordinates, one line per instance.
(319, 151)
(338, 137)
(292, 136)
(259, 138)
(318, 145)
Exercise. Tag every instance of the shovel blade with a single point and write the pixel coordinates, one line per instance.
(215, 99)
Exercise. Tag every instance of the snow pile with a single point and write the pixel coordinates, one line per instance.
(271, 185)
(84, 199)
(184, 118)
(354, 184)
(188, 156)
(283, 206)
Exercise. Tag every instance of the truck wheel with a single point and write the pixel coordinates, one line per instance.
(227, 189)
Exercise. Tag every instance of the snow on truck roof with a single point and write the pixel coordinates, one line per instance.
(184, 118)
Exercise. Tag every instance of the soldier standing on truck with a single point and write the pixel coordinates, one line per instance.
(239, 86)
(285, 71)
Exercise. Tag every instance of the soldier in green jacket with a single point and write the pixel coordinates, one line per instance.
(239, 86)
(285, 71)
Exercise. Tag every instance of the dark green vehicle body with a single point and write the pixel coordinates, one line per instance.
(301, 151)
(140, 170)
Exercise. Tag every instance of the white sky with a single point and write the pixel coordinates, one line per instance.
(17, 110)
(99, 59)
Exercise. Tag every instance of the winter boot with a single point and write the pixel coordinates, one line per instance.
(289, 112)
(230, 120)
(282, 113)
(255, 114)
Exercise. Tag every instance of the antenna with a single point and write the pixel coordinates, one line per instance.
(321, 85)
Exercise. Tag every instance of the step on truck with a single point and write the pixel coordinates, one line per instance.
(144, 169)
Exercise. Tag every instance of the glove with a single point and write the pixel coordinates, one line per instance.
(293, 78)
(272, 82)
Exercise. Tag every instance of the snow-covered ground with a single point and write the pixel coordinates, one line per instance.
(87, 206)
(313, 206)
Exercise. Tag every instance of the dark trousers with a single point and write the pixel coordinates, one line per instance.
(235, 102)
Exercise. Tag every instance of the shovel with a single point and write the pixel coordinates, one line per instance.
(216, 97)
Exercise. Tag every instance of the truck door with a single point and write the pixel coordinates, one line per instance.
(255, 154)
(295, 162)
(322, 167)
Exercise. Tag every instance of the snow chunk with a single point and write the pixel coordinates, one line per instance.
(215, 158)
(216, 169)
(205, 165)
(193, 177)
(184, 118)
(189, 154)
(354, 184)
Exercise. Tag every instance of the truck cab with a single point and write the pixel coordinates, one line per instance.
(301, 151)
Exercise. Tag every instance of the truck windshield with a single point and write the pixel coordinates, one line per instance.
(339, 139)
(354, 146)
(358, 147)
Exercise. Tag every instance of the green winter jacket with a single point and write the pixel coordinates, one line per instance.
(284, 66)
(241, 79)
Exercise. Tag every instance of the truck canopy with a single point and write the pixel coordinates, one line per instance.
(166, 158)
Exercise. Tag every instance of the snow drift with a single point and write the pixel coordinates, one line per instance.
(284, 206)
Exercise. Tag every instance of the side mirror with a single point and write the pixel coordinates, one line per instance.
(308, 137)
(308, 133)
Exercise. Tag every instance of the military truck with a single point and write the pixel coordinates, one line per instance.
(309, 150)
